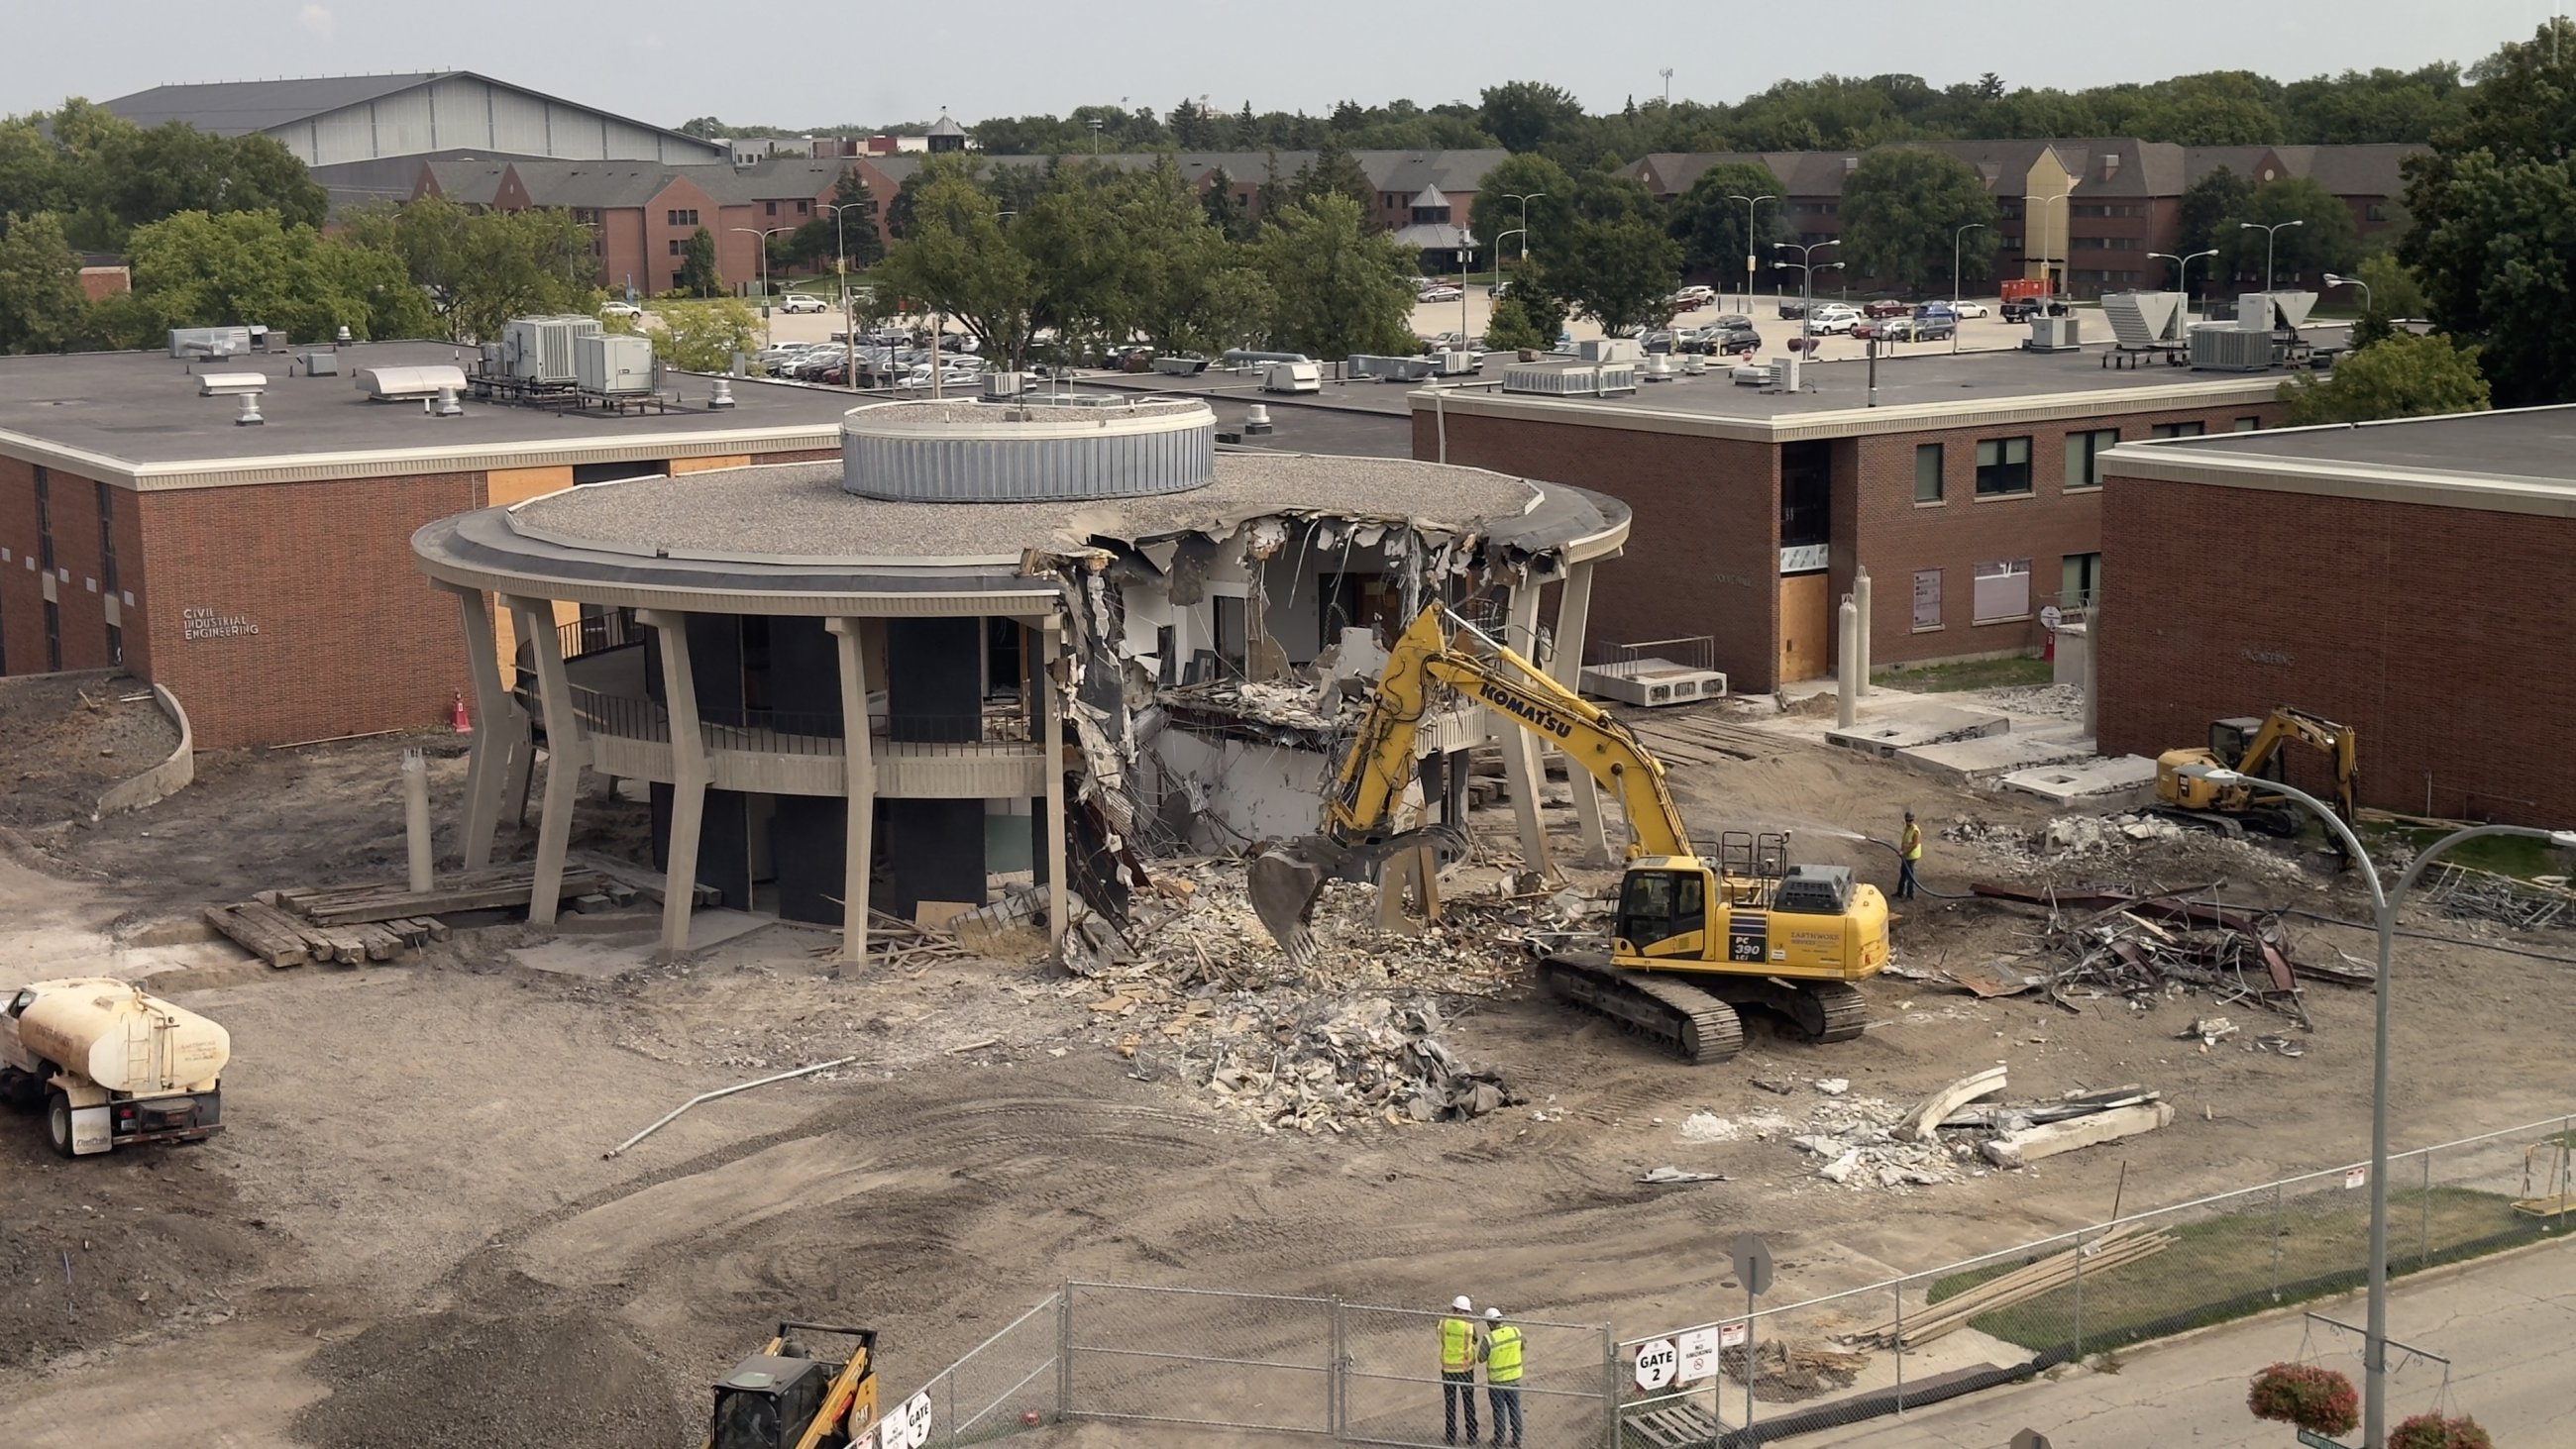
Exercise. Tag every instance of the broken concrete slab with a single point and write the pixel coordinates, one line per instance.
(2098, 784)
(1911, 724)
(1949, 1099)
(2019, 1149)
(1986, 756)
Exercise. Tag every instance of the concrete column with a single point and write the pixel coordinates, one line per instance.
(858, 751)
(567, 750)
(1520, 747)
(1846, 661)
(1573, 617)
(500, 731)
(690, 773)
(1860, 598)
(2093, 675)
(1051, 691)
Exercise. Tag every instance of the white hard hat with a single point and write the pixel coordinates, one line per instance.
(1461, 1304)
(1493, 1315)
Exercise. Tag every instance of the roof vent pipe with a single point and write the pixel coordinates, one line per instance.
(250, 417)
(1256, 418)
(447, 406)
(341, 338)
(723, 397)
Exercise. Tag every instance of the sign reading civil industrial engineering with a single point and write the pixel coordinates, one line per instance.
(199, 622)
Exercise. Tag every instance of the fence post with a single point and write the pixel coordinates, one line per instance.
(1609, 1389)
(2424, 1253)
(2280, 1226)
(1900, 1348)
(1064, 1352)
(2566, 1149)
(952, 1409)
(1337, 1375)
(2079, 1297)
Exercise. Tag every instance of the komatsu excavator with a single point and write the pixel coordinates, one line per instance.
(1695, 940)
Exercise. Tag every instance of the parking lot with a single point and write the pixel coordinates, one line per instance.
(1976, 334)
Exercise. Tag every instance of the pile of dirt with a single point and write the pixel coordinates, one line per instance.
(66, 738)
(541, 1377)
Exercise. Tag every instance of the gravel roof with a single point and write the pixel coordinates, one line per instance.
(798, 511)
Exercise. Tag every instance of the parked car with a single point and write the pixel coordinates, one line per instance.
(1730, 320)
(2022, 309)
(1499, 290)
(796, 302)
(1654, 342)
(1886, 307)
(1791, 309)
(1737, 342)
(627, 310)
(1972, 309)
(1440, 294)
(1692, 298)
(1833, 317)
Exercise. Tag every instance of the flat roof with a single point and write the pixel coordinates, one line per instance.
(136, 418)
(1917, 388)
(2522, 460)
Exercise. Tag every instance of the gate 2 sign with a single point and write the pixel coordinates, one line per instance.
(1656, 1363)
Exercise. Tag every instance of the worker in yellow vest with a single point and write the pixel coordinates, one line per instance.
(1502, 1375)
(1909, 855)
(1458, 1353)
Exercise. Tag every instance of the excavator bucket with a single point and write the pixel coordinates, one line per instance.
(1284, 883)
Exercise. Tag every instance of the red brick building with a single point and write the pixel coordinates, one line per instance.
(2415, 580)
(1970, 492)
(264, 574)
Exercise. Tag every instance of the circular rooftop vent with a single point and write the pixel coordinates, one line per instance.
(1028, 450)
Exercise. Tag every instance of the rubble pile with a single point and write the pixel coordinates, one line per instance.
(2465, 892)
(2103, 840)
(2049, 701)
(1851, 1141)
(2148, 947)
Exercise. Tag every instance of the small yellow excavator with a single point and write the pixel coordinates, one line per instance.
(785, 1398)
(1695, 940)
(2253, 748)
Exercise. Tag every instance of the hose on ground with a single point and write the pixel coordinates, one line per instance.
(1918, 880)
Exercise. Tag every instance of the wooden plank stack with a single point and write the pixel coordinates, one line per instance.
(354, 924)
(2112, 1250)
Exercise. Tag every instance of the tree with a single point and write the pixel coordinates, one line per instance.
(1510, 328)
(1186, 286)
(1711, 225)
(477, 270)
(1533, 290)
(959, 263)
(1341, 288)
(1225, 210)
(698, 274)
(2491, 245)
(1902, 210)
(2324, 240)
(2401, 375)
(704, 336)
(41, 302)
(1524, 115)
(2209, 201)
(1550, 208)
(1334, 172)
(1620, 272)
(196, 270)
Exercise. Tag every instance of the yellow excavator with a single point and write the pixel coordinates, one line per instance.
(784, 1397)
(2253, 749)
(1695, 940)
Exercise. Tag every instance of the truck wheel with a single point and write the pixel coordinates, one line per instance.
(58, 1122)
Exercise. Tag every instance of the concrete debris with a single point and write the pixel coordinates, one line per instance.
(1833, 1086)
(2018, 1149)
(1855, 1144)
(1703, 1127)
(1675, 1174)
(1937, 1108)
(2209, 1030)
(2048, 701)
(2096, 839)
(2148, 948)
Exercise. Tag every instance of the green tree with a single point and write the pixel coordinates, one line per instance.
(2492, 245)
(1550, 207)
(698, 274)
(478, 269)
(703, 336)
(1533, 288)
(1619, 272)
(2402, 375)
(196, 270)
(1902, 209)
(1187, 287)
(1226, 211)
(1341, 288)
(1712, 226)
(1525, 115)
(958, 262)
(2206, 203)
(1334, 172)
(2324, 239)
(1510, 328)
(41, 302)
(32, 172)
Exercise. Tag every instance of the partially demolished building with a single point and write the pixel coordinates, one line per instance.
(1043, 639)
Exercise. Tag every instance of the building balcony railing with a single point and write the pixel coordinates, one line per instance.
(787, 732)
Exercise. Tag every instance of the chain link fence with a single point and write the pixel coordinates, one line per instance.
(2078, 1297)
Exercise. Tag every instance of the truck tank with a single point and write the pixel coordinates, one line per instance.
(122, 1038)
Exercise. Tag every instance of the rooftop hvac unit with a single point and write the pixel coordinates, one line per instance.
(405, 384)
(1606, 349)
(320, 362)
(1457, 363)
(2053, 334)
(1571, 380)
(230, 384)
(1180, 366)
(1387, 369)
(539, 349)
(2268, 311)
(1784, 372)
(1823, 890)
(2230, 349)
(202, 342)
(999, 386)
(2142, 320)
(613, 363)
(1293, 377)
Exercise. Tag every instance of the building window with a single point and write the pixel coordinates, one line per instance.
(678, 280)
(769, 208)
(2003, 467)
(106, 537)
(684, 218)
(53, 636)
(45, 523)
(2084, 456)
(1927, 475)
(1430, 216)
(2079, 580)
(1927, 599)
(1806, 494)
(804, 208)
(2177, 430)
(2003, 591)
(2375, 212)
(2249, 425)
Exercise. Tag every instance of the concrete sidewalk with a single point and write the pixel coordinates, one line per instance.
(2508, 1326)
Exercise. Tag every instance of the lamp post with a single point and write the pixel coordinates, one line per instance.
(1519, 231)
(2065, 239)
(1957, 237)
(1524, 198)
(1749, 203)
(1807, 265)
(841, 270)
(764, 236)
(2182, 275)
(2271, 234)
(2333, 280)
(2384, 904)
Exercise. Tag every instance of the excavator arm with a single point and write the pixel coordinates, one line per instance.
(1439, 652)
(2285, 726)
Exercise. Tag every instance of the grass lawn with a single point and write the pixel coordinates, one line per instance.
(2511, 855)
(1973, 674)
(2242, 1263)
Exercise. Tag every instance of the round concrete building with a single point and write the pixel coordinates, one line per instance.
(1023, 644)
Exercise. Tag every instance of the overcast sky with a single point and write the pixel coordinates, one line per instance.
(667, 60)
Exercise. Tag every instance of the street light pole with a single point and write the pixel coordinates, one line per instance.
(2065, 238)
(2332, 280)
(1957, 237)
(849, 314)
(2271, 234)
(1749, 203)
(2182, 276)
(1524, 198)
(765, 338)
(1806, 265)
(2374, 1349)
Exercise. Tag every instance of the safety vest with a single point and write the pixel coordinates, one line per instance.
(1913, 842)
(1457, 1346)
(1503, 1354)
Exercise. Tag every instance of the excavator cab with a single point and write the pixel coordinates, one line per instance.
(1663, 907)
(2229, 739)
(784, 1398)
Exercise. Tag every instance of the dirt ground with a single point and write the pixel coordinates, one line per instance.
(71, 736)
(409, 1235)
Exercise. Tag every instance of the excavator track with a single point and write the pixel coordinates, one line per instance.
(1844, 1010)
(1686, 1021)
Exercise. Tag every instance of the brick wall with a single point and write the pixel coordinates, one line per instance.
(81, 600)
(1703, 552)
(22, 600)
(350, 638)
(2389, 617)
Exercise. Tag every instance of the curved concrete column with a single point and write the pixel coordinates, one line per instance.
(858, 750)
(690, 774)
(1565, 666)
(567, 750)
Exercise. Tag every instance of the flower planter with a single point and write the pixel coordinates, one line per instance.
(2315, 1399)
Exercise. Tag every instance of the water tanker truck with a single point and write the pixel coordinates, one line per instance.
(111, 1065)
